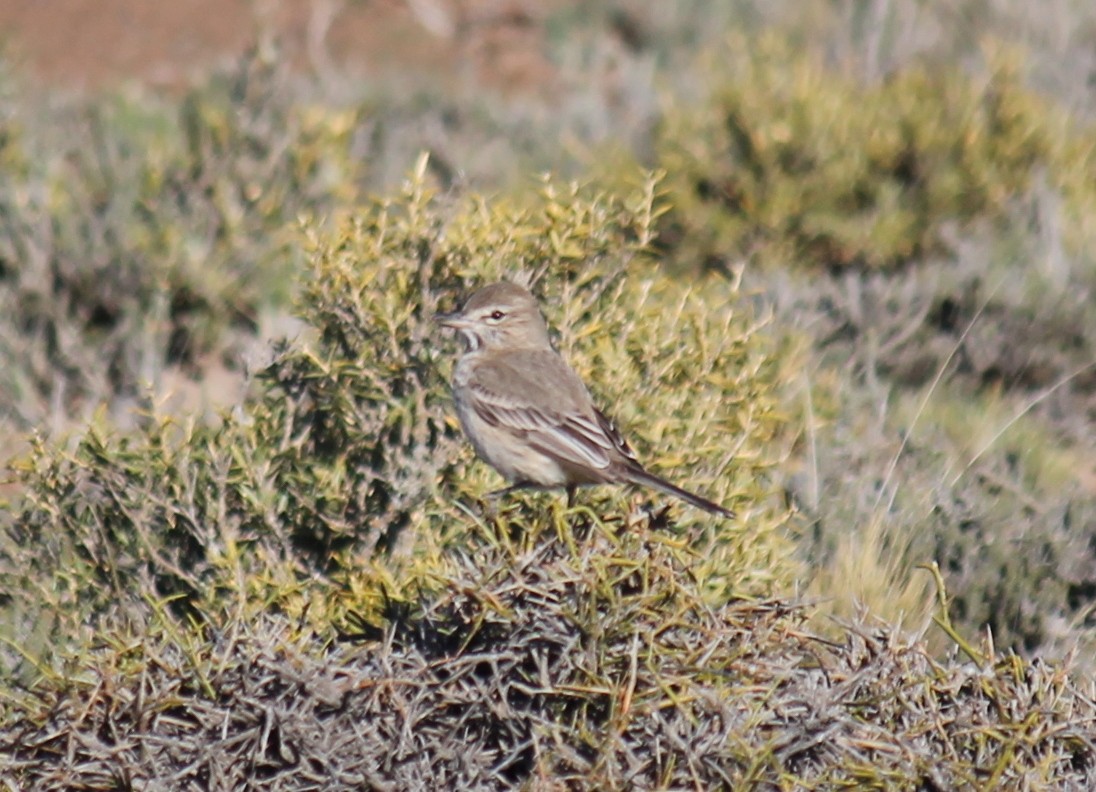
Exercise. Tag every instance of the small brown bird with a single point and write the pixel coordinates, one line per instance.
(527, 413)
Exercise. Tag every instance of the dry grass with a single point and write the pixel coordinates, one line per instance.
(556, 653)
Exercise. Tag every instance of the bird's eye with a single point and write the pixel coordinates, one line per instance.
(496, 316)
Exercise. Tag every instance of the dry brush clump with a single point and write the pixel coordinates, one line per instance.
(951, 408)
(790, 160)
(141, 235)
(554, 651)
(926, 231)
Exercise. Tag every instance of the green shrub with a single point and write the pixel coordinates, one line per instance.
(345, 473)
(793, 161)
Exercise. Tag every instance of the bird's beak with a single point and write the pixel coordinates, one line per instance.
(454, 320)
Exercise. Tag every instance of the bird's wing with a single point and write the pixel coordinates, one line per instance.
(609, 427)
(534, 394)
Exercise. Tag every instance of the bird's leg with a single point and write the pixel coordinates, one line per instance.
(571, 495)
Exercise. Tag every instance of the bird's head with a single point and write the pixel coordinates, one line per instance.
(499, 316)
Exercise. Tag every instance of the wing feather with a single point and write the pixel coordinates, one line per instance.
(553, 413)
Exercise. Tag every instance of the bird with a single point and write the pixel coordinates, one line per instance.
(525, 410)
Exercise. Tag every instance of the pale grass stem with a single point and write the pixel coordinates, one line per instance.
(860, 566)
(1031, 404)
(885, 486)
(812, 441)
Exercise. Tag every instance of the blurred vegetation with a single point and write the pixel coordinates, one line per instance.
(796, 163)
(980, 461)
(138, 237)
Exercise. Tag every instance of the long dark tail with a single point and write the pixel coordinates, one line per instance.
(631, 471)
(634, 474)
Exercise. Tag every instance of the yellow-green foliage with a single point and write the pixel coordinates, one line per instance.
(344, 485)
(684, 370)
(794, 160)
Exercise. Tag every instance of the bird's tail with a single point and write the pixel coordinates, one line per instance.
(637, 475)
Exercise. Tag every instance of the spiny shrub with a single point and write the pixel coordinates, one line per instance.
(139, 235)
(345, 474)
(574, 655)
(794, 161)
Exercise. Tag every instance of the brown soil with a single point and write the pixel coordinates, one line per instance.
(86, 44)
